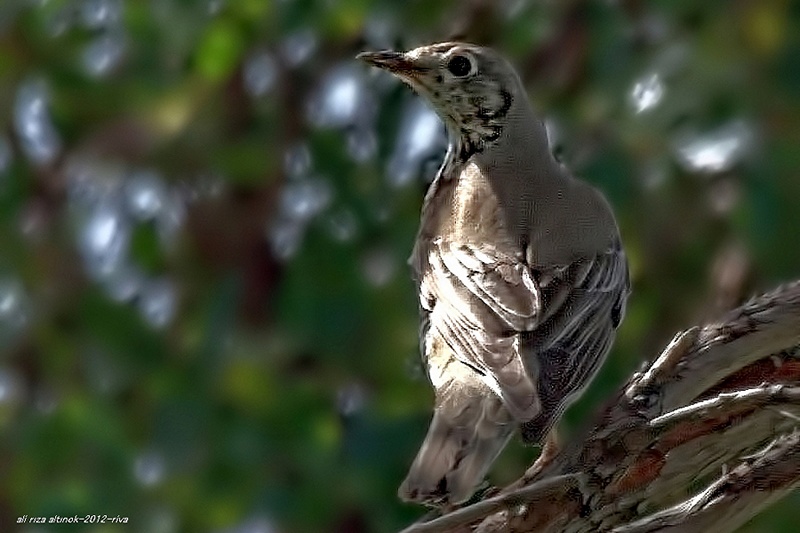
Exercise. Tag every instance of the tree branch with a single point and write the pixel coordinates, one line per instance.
(658, 456)
(550, 488)
(735, 497)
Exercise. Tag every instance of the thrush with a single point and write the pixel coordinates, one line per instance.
(521, 275)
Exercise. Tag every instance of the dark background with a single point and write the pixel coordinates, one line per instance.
(206, 319)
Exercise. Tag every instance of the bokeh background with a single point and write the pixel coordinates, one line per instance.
(206, 319)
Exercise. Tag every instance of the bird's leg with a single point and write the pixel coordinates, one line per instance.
(550, 449)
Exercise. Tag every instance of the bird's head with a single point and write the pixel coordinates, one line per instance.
(472, 88)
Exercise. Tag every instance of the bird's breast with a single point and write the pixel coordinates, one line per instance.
(467, 212)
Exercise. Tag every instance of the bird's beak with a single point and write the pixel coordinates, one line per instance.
(394, 62)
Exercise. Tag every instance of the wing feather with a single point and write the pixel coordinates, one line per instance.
(536, 337)
(584, 305)
(482, 300)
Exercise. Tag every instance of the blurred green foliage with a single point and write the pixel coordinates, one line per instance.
(282, 391)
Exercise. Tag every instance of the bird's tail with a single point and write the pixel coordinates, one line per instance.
(455, 456)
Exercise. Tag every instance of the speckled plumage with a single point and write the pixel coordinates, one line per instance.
(519, 268)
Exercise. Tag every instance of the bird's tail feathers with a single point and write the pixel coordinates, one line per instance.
(454, 458)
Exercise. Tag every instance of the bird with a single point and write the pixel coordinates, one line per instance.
(521, 276)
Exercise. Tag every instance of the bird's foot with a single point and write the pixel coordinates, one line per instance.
(550, 449)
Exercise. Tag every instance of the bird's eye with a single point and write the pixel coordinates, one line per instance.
(459, 66)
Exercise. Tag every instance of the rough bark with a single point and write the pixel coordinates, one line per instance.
(704, 438)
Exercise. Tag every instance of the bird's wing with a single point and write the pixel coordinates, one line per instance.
(478, 300)
(583, 304)
(536, 336)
